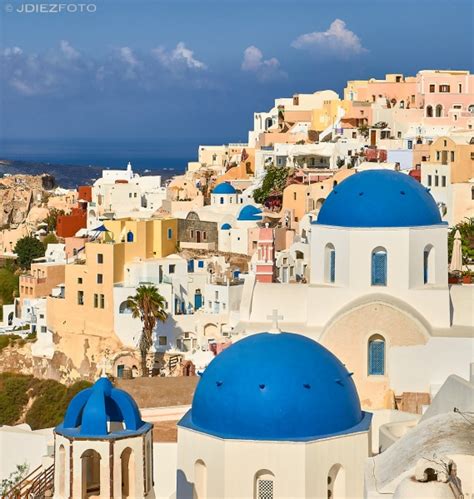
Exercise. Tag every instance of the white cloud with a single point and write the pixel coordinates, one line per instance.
(68, 50)
(180, 56)
(265, 69)
(336, 40)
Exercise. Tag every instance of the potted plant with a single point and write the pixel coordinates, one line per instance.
(453, 278)
(467, 277)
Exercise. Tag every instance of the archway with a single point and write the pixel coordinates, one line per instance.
(264, 485)
(90, 464)
(10, 319)
(319, 203)
(336, 482)
(439, 111)
(429, 111)
(127, 463)
(200, 480)
(429, 265)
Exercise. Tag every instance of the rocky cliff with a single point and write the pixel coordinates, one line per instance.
(19, 194)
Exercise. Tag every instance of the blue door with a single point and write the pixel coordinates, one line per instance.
(197, 301)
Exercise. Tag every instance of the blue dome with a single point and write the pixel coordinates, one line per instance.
(379, 198)
(280, 386)
(90, 411)
(250, 213)
(226, 227)
(224, 188)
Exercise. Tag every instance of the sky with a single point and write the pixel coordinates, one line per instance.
(200, 68)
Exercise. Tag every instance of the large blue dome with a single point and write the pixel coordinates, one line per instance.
(379, 198)
(250, 213)
(224, 188)
(102, 411)
(280, 386)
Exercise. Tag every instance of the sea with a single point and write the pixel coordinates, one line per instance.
(79, 161)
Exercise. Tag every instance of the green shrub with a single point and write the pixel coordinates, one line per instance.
(51, 402)
(51, 399)
(13, 397)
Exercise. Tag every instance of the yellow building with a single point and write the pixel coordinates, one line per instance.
(82, 317)
(327, 115)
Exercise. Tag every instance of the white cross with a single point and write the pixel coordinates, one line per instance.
(275, 318)
(104, 364)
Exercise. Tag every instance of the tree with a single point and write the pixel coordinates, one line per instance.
(27, 249)
(8, 286)
(466, 231)
(52, 218)
(149, 306)
(275, 180)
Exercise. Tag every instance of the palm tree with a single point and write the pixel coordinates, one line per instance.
(149, 306)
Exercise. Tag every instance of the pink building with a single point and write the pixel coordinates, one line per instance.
(447, 97)
(265, 265)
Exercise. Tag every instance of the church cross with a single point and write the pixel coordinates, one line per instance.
(274, 317)
(103, 365)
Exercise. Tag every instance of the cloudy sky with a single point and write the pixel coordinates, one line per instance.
(200, 68)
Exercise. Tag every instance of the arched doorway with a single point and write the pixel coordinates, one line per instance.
(336, 482)
(127, 462)
(90, 463)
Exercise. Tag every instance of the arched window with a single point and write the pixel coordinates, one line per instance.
(379, 267)
(471, 108)
(429, 265)
(90, 473)
(439, 111)
(200, 480)
(264, 485)
(336, 482)
(376, 355)
(129, 236)
(127, 462)
(222, 200)
(62, 470)
(124, 308)
(329, 263)
(429, 111)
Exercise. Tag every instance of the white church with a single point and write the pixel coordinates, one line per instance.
(378, 295)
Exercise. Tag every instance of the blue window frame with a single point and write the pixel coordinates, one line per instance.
(129, 236)
(201, 264)
(379, 268)
(376, 356)
(170, 233)
(332, 266)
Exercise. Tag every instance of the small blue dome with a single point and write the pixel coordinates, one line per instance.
(224, 188)
(90, 411)
(250, 213)
(280, 386)
(226, 227)
(379, 198)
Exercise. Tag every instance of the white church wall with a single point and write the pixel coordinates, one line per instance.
(165, 460)
(20, 445)
(462, 298)
(424, 368)
(353, 270)
(300, 469)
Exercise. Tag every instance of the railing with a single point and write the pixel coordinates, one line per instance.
(42, 483)
(20, 490)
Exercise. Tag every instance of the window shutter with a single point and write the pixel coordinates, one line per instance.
(379, 269)
(332, 266)
(377, 357)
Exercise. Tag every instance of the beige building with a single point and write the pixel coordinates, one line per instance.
(82, 314)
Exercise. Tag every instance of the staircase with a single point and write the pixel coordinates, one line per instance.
(38, 484)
